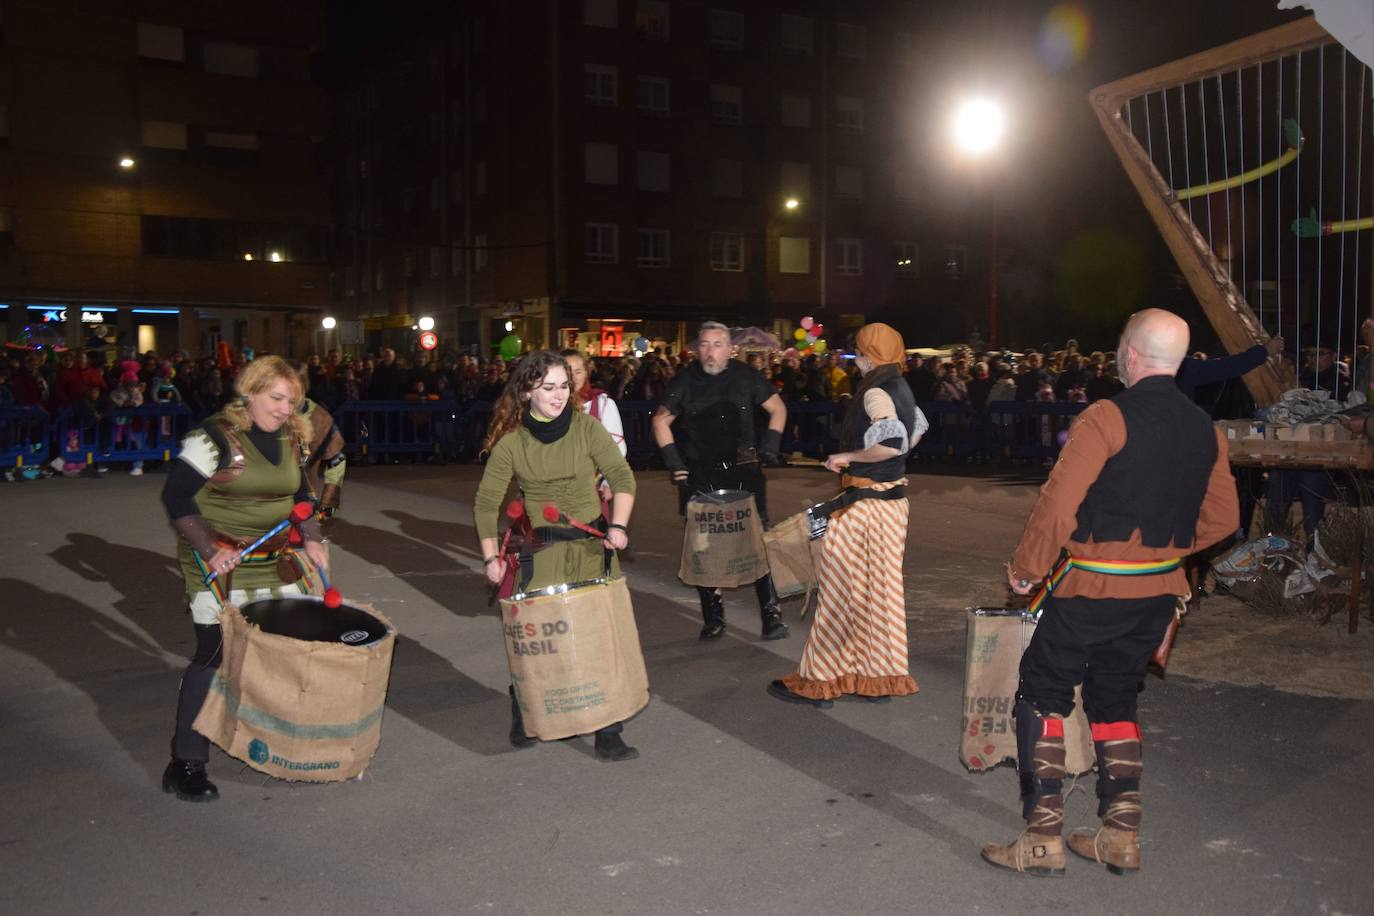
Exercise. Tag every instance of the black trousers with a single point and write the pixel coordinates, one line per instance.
(1102, 643)
(187, 743)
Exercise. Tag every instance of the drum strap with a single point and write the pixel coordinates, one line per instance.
(852, 495)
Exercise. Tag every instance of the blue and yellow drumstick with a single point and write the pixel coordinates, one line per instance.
(299, 513)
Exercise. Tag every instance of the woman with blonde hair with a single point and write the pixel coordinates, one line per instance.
(540, 437)
(239, 474)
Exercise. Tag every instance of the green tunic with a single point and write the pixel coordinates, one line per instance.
(561, 473)
(247, 506)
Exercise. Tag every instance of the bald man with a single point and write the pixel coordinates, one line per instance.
(1142, 482)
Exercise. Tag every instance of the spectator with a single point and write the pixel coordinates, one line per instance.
(386, 383)
(950, 387)
(921, 378)
(980, 386)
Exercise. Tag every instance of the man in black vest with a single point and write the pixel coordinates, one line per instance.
(716, 396)
(1142, 482)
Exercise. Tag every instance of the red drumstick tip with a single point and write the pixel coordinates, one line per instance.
(551, 513)
(515, 510)
(301, 511)
(332, 598)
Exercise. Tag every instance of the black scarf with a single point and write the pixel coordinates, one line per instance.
(883, 373)
(551, 431)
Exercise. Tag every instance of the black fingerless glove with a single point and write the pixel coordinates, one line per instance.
(198, 534)
(672, 458)
(770, 446)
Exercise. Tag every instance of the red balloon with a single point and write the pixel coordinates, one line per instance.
(817, 330)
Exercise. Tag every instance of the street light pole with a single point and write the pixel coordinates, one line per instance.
(978, 127)
(993, 271)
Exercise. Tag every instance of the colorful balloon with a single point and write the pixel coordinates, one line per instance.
(820, 345)
(510, 346)
(642, 344)
(818, 329)
(807, 322)
(799, 334)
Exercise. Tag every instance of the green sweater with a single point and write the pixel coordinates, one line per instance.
(562, 473)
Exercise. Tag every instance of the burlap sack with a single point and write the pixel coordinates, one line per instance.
(296, 709)
(722, 546)
(575, 659)
(996, 639)
(794, 559)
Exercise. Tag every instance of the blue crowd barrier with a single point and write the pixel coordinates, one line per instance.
(390, 428)
(24, 436)
(152, 432)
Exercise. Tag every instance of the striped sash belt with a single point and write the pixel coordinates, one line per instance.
(1104, 567)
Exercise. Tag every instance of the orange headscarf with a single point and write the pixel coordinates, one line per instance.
(881, 343)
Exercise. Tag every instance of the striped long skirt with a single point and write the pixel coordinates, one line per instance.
(857, 642)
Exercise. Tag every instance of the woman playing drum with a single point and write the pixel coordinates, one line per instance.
(540, 437)
(238, 475)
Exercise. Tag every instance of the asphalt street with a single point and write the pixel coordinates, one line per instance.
(1256, 800)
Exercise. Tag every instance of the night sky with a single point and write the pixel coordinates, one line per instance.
(1058, 182)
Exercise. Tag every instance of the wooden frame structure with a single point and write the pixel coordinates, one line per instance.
(1224, 304)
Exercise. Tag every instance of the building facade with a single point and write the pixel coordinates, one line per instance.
(588, 172)
(158, 174)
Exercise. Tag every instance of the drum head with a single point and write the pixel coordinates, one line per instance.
(306, 618)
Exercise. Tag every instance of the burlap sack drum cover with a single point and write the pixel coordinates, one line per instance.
(575, 660)
(794, 557)
(997, 637)
(305, 709)
(722, 546)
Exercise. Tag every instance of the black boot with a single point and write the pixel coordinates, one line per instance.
(773, 627)
(611, 748)
(518, 738)
(188, 780)
(712, 613)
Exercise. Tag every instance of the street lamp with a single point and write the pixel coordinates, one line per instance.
(328, 323)
(977, 128)
(426, 323)
(792, 203)
(126, 162)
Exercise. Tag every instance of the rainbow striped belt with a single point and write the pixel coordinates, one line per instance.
(1104, 567)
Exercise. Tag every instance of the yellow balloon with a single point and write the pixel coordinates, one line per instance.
(799, 334)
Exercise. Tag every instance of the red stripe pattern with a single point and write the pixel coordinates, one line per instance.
(1116, 731)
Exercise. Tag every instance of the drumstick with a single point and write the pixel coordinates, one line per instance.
(554, 515)
(299, 513)
(332, 596)
(515, 512)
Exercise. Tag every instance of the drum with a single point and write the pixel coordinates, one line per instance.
(301, 687)
(794, 553)
(575, 661)
(997, 637)
(722, 546)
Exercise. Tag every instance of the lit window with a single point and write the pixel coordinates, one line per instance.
(794, 255)
(906, 257)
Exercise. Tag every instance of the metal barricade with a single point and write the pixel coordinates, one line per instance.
(390, 428)
(24, 436)
(152, 432)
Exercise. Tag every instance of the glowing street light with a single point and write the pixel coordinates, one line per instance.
(126, 163)
(274, 257)
(792, 203)
(328, 323)
(248, 255)
(426, 323)
(978, 126)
